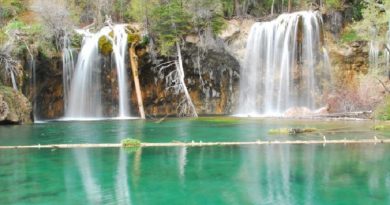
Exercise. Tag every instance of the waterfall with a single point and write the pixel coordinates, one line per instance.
(119, 43)
(373, 55)
(283, 66)
(68, 65)
(84, 93)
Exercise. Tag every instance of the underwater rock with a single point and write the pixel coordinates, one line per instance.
(14, 107)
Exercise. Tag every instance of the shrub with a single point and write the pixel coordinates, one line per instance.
(130, 142)
(382, 112)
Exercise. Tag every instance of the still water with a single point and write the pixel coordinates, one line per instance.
(266, 174)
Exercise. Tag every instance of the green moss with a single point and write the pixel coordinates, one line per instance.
(133, 38)
(349, 36)
(291, 131)
(280, 131)
(130, 142)
(105, 46)
(378, 127)
(382, 112)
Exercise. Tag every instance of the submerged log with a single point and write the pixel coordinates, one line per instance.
(374, 140)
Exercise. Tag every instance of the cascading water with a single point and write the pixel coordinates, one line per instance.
(284, 65)
(119, 47)
(68, 66)
(84, 97)
(374, 49)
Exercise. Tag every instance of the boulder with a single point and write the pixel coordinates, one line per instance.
(14, 107)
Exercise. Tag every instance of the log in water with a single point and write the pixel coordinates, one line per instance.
(199, 144)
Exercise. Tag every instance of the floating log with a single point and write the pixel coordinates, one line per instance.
(375, 140)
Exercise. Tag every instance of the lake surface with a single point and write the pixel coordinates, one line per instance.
(266, 174)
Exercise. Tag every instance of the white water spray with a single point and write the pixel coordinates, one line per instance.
(281, 68)
(84, 95)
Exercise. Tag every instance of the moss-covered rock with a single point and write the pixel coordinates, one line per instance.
(14, 107)
(105, 45)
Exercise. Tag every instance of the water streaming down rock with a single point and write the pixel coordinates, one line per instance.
(68, 66)
(84, 97)
(374, 49)
(119, 43)
(284, 65)
(387, 47)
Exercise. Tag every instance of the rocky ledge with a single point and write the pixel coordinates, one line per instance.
(14, 107)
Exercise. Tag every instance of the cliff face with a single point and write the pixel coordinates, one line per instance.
(212, 74)
(212, 78)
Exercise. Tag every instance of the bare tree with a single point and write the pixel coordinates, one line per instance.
(56, 18)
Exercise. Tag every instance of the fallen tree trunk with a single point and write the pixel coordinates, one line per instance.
(201, 144)
(134, 68)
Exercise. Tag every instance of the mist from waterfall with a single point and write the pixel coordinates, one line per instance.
(82, 82)
(284, 66)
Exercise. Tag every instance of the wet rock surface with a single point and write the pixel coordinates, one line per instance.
(14, 107)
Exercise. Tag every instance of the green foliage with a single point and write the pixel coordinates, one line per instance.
(349, 36)
(170, 22)
(382, 112)
(10, 8)
(130, 142)
(290, 131)
(334, 4)
(206, 14)
(373, 18)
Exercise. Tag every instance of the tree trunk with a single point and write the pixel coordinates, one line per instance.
(289, 6)
(180, 70)
(134, 68)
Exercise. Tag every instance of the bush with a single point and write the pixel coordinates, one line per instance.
(334, 4)
(130, 142)
(382, 112)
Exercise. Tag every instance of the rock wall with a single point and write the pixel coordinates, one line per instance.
(212, 74)
(212, 78)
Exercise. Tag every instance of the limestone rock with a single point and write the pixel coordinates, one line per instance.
(14, 107)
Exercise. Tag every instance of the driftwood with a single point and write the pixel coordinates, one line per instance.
(134, 68)
(347, 115)
(375, 140)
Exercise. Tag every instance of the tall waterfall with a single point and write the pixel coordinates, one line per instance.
(83, 93)
(373, 54)
(284, 65)
(68, 64)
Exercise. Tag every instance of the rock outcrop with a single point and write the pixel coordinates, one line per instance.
(14, 107)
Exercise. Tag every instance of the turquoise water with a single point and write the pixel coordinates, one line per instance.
(266, 174)
(204, 129)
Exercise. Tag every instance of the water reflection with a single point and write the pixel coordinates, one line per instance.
(91, 188)
(271, 174)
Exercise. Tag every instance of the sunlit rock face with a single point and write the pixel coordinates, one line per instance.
(14, 107)
(286, 65)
